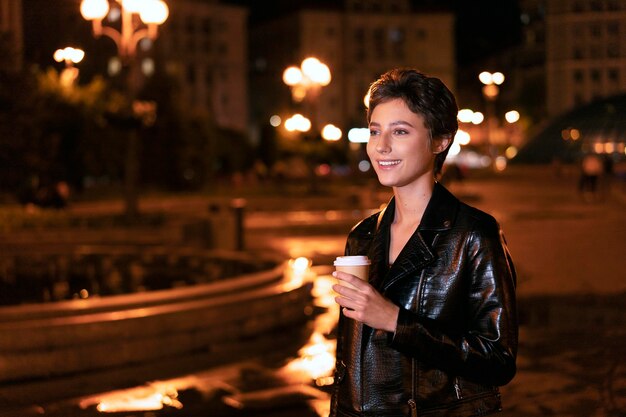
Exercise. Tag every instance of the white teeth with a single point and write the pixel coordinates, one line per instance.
(388, 163)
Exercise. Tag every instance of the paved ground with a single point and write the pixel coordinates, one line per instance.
(569, 254)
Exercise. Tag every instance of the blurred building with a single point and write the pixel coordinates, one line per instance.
(358, 40)
(585, 51)
(571, 53)
(11, 32)
(204, 45)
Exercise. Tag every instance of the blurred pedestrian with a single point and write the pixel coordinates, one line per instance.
(434, 331)
(590, 172)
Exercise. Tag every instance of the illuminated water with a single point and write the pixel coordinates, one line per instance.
(295, 386)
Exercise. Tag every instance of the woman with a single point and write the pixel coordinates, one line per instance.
(434, 331)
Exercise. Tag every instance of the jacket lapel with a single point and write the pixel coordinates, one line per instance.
(379, 250)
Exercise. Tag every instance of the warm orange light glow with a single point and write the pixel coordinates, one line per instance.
(69, 55)
(292, 76)
(500, 163)
(465, 115)
(275, 120)
(462, 137)
(491, 91)
(489, 78)
(298, 122)
(609, 147)
(510, 152)
(316, 71)
(477, 118)
(331, 133)
(512, 116)
(94, 9)
(598, 147)
(154, 12)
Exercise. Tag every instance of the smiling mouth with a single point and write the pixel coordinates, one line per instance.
(388, 163)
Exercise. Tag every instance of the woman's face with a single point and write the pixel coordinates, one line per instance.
(399, 146)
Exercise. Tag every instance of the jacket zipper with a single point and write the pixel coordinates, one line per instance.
(413, 407)
(412, 402)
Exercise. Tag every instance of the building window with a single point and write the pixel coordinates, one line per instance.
(596, 31)
(595, 75)
(191, 74)
(614, 5)
(359, 35)
(420, 34)
(222, 49)
(379, 42)
(578, 99)
(396, 35)
(577, 53)
(206, 25)
(613, 75)
(612, 51)
(190, 24)
(359, 54)
(579, 77)
(596, 52)
(612, 28)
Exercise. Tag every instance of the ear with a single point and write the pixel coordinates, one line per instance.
(441, 143)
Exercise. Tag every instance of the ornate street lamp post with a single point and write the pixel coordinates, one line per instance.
(139, 19)
(491, 90)
(306, 82)
(70, 56)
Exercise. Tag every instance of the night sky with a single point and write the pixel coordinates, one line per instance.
(484, 27)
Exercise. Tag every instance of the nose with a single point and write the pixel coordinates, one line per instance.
(383, 145)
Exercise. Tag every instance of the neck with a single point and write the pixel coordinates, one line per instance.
(411, 203)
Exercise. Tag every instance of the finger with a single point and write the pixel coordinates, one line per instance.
(343, 289)
(347, 302)
(344, 276)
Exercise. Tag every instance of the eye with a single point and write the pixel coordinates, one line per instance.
(400, 132)
(374, 132)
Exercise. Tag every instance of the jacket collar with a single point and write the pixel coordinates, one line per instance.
(439, 216)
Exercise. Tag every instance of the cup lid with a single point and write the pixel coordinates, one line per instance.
(352, 260)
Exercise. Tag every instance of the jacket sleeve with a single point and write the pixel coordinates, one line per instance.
(483, 347)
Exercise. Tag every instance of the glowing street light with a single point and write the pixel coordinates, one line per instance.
(150, 13)
(298, 122)
(331, 133)
(306, 82)
(308, 79)
(512, 116)
(491, 81)
(70, 56)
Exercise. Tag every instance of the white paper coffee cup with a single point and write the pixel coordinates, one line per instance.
(358, 266)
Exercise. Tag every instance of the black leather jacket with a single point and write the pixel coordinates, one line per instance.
(456, 336)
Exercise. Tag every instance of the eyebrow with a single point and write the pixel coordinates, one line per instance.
(395, 123)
